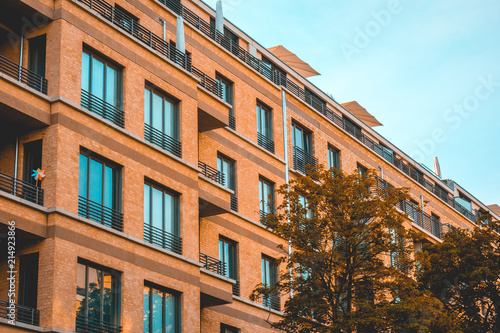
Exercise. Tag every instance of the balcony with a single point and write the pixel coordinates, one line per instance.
(102, 108)
(303, 161)
(265, 142)
(90, 325)
(232, 122)
(162, 140)
(23, 75)
(22, 314)
(96, 212)
(21, 189)
(236, 288)
(211, 173)
(163, 239)
(214, 265)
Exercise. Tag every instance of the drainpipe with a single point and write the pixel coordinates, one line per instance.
(381, 172)
(21, 56)
(15, 165)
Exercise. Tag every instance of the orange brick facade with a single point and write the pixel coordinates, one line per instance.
(63, 236)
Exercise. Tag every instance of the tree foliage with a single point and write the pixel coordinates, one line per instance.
(345, 231)
(464, 272)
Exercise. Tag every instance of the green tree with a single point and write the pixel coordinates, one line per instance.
(344, 231)
(464, 272)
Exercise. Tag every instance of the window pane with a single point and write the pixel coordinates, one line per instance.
(147, 106)
(82, 181)
(147, 204)
(146, 311)
(85, 71)
(157, 209)
(157, 112)
(107, 304)
(95, 186)
(94, 294)
(97, 87)
(112, 87)
(108, 187)
(169, 214)
(80, 290)
(170, 120)
(157, 311)
(170, 313)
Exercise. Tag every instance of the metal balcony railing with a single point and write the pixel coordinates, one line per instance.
(91, 325)
(211, 173)
(271, 301)
(23, 75)
(265, 142)
(130, 25)
(22, 314)
(303, 161)
(21, 189)
(103, 108)
(213, 265)
(162, 238)
(236, 288)
(162, 140)
(234, 203)
(232, 122)
(99, 213)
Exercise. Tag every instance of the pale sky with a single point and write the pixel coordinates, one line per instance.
(429, 70)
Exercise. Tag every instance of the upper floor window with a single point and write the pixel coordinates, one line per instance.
(126, 20)
(275, 73)
(387, 153)
(161, 118)
(161, 218)
(97, 297)
(99, 190)
(265, 127)
(302, 138)
(266, 196)
(161, 310)
(226, 166)
(270, 278)
(37, 54)
(227, 96)
(227, 255)
(352, 128)
(102, 88)
(333, 158)
(101, 78)
(362, 170)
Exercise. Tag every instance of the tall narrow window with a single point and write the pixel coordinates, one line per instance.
(269, 278)
(37, 55)
(227, 96)
(99, 191)
(161, 218)
(162, 313)
(227, 255)
(102, 88)
(226, 167)
(161, 121)
(302, 149)
(333, 158)
(361, 170)
(436, 225)
(266, 196)
(97, 298)
(265, 127)
(304, 204)
(32, 160)
(28, 289)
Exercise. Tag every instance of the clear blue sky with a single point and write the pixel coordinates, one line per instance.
(428, 70)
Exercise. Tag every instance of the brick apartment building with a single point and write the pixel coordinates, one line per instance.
(161, 134)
